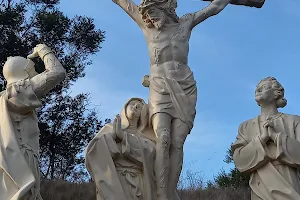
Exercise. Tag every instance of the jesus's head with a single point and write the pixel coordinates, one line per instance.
(156, 13)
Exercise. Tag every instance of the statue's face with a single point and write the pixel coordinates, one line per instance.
(156, 15)
(134, 109)
(265, 93)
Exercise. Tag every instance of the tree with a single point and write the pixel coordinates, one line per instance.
(234, 178)
(1, 85)
(65, 134)
(66, 123)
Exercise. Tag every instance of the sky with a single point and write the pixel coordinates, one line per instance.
(229, 54)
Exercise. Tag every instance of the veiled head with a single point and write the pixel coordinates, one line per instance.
(268, 91)
(156, 12)
(134, 109)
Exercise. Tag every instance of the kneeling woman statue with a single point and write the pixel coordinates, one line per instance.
(120, 158)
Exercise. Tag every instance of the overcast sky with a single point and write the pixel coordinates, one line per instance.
(229, 54)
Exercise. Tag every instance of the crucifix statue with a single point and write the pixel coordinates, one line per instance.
(172, 88)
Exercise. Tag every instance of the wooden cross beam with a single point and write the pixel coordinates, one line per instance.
(250, 3)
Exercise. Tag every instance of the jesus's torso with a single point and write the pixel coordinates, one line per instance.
(168, 50)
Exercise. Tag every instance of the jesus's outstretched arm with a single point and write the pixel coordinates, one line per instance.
(212, 9)
(131, 9)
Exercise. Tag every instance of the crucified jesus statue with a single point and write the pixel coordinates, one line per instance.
(172, 88)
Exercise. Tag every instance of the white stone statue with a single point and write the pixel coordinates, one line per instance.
(268, 146)
(172, 88)
(19, 132)
(120, 158)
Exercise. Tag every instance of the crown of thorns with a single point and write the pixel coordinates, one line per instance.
(164, 4)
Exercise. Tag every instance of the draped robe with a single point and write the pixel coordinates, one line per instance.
(274, 167)
(121, 171)
(19, 143)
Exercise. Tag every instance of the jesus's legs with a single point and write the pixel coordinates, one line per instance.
(162, 128)
(179, 132)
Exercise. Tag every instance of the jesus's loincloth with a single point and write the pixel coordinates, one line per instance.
(173, 91)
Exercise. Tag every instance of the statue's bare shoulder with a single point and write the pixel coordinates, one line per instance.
(187, 18)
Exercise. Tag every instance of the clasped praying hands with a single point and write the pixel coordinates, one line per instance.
(269, 131)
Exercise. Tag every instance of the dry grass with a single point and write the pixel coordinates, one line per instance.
(60, 190)
(215, 194)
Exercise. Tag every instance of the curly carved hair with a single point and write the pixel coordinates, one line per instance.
(279, 91)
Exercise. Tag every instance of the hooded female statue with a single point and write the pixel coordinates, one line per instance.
(120, 157)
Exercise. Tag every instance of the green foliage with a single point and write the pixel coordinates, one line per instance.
(234, 178)
(228, 157)
(1, 86)
(65, 134)
(66, 123)
(23, 25)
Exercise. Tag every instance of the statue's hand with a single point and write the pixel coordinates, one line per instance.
(40, 50)
(117, 128)
(146, 81)
(269, 123)
(273, 135)
(113, 133)
(266, 135)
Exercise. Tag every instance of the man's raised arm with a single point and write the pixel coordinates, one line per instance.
(212, 9)
(131, 9)
(53, 74)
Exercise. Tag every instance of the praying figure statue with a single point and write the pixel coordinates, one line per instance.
(172, 87)
(120, 158)
(268, 146)
(19, 131)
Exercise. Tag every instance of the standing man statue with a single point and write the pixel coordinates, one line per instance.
(173, 92)
(19, 131)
